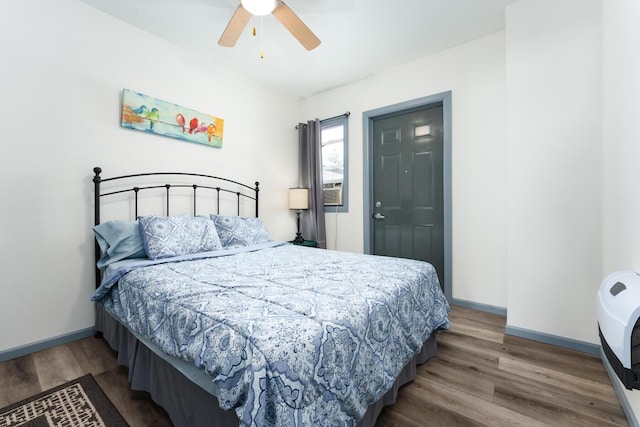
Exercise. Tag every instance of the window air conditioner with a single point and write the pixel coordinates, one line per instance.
(332, 194)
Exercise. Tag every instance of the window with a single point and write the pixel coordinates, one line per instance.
(334, 135)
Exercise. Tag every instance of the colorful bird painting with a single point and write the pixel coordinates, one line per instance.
(193, 124)
(202, 127)
(181, 121)
(142, 111)
(154, 116)
(151, 115)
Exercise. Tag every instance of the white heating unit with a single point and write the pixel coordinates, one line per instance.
(618, 311)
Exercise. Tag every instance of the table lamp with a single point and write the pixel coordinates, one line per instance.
(298, 201)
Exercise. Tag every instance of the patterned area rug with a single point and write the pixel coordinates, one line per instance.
(78, 403)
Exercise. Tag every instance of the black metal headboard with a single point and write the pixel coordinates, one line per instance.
(209, 184)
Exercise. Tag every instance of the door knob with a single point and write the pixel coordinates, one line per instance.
(378, 215)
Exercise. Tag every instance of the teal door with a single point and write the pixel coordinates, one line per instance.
(408, 194)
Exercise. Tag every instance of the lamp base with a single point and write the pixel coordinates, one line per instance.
(298, 240)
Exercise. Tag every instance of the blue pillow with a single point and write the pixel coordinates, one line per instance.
(118, 240)
(167, 236)
(238, 231)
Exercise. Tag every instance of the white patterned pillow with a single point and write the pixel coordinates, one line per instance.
(167, 236)
(239, 231)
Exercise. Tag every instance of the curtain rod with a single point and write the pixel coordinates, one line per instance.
(347, 114)
(335, 117)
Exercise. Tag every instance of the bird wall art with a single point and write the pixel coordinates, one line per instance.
(147, 114)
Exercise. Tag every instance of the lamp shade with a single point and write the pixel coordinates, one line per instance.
(298, 198)
(259, 7)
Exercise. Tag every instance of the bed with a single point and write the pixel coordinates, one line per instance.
(224, 326)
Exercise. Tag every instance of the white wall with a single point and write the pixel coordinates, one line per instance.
(63, 67)
(475, 73)
(555, 175)
(621, 148)
(621, 134)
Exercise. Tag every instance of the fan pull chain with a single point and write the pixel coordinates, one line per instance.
(255, 33)
(261, 37)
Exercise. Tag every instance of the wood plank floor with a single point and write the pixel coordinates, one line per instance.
(479, 377)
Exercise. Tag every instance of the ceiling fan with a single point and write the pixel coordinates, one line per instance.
(277, 8)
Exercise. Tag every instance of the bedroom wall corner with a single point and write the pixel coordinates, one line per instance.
(554, 104)
(64, 65)
(621, 153)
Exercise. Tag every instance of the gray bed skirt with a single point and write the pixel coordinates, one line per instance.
(188, 404)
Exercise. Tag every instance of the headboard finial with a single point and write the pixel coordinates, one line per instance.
(257, 191)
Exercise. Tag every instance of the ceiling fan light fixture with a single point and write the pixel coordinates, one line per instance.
(259, 7)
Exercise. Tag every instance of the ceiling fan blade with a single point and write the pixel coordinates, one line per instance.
(234, 28)
(296, 27)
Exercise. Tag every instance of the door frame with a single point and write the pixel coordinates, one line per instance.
(368, 117)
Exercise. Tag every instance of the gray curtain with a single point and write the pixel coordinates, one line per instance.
(310, 175)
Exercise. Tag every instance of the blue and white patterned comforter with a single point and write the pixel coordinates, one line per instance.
(290, 335)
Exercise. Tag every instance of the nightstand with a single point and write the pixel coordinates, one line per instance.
(310, 243)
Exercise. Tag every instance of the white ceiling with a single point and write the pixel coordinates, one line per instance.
(359, 37)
